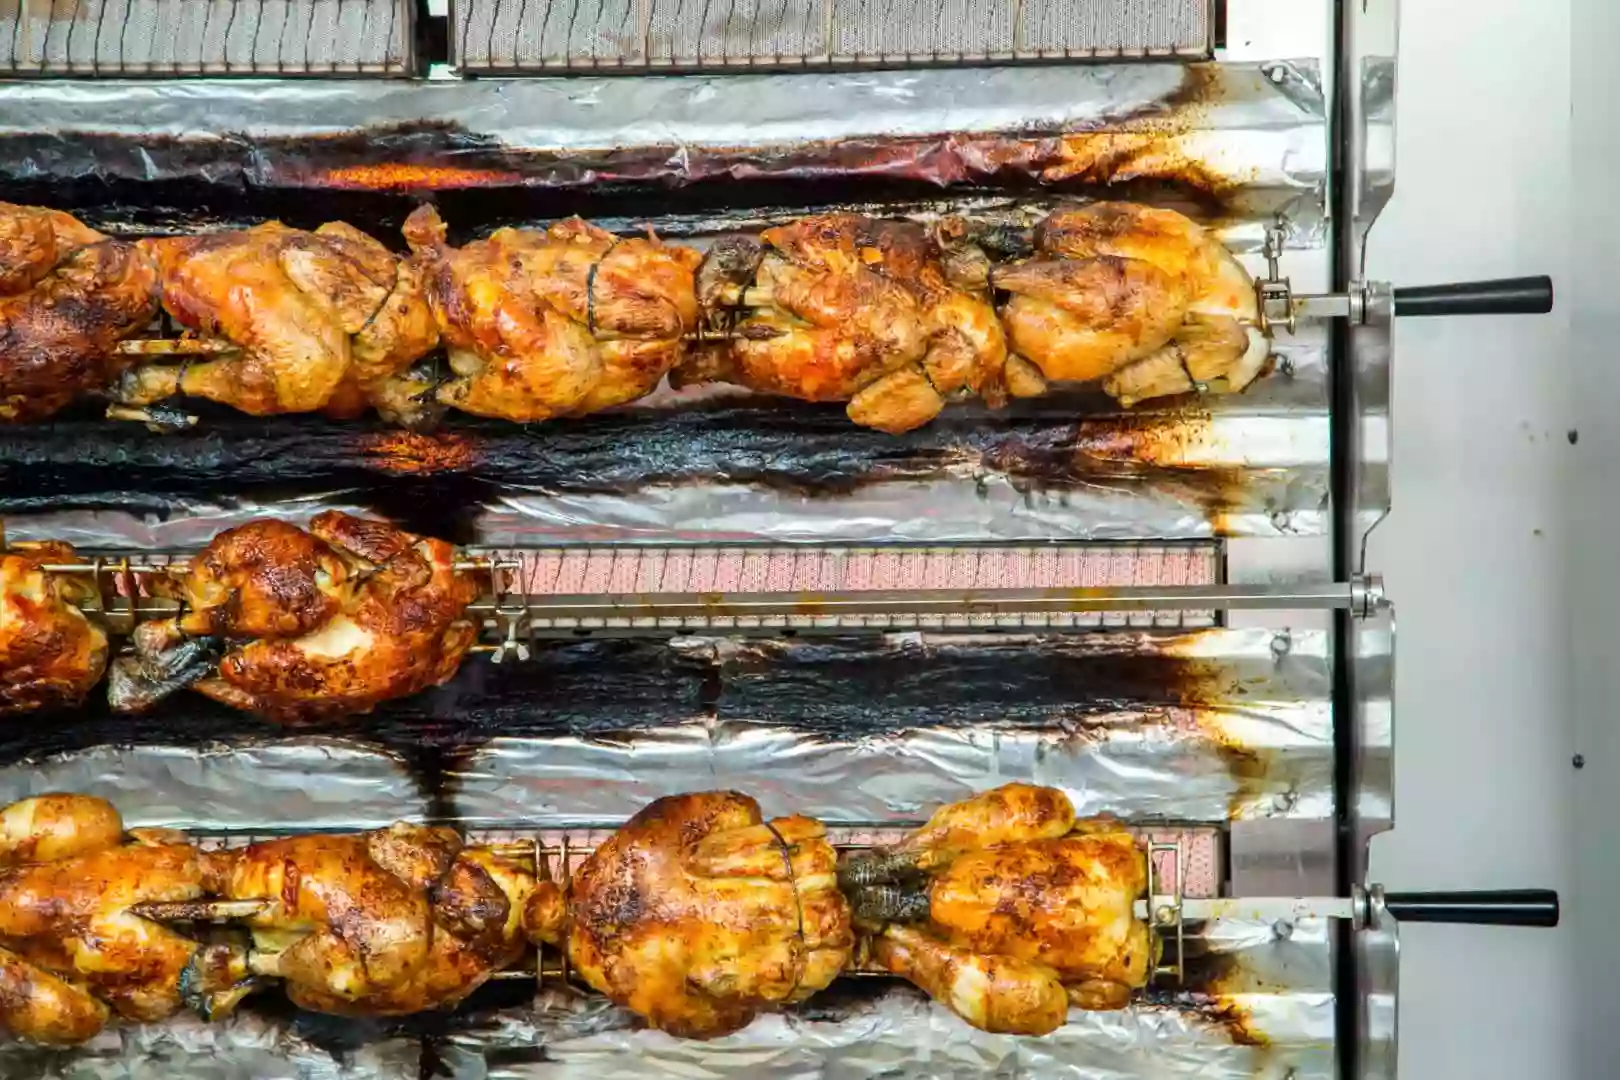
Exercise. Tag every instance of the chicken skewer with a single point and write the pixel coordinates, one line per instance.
(299, 625)
(889, 317)
(51, 655)
(697, 913)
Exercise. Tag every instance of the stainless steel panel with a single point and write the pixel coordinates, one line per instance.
(205, 37)
(635, 35)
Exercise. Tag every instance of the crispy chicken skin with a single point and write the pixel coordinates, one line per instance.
(562, 322)
(1140, 298)
(394, 921)
(51, 656)
(68, 295)
(851, 309)
(698, 915)
(71, 953)
(324, 321)
(1008, 929)
(315, 624)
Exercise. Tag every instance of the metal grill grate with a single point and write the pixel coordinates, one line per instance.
(205, 37)
(549, 35)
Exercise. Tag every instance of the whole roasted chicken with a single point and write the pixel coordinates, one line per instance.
(72, 953)
(50, 654)
(325, 321)
(68, 295)
(393, 921)
(698, 914)
(1006, 910)
(1140, 298)
(842, 307)
(301, 625)
(556, 323)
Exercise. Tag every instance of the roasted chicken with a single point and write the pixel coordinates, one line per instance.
(1006, 910)
(849, 308)
(50, 654)
(556, 323)
(1142, 299)
(301, 625)
(394, 921)
(68, 295)
(325, 321)
(698, 914)
(71, 952)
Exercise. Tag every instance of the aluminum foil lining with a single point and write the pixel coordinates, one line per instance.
(1209, 725)
(1259, 127)
(1243, 1026)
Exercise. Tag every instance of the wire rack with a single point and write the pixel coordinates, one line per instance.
(205, 37)
(687, 35)
(545, 591)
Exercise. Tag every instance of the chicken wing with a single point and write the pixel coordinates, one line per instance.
(1140, 298)
(50, 654)
(851, 308)
(325, 321)
(68, 295)
(315, 624)
(72, 954)
(698, 914)
(1009, 929)
(556, 323)
(394, 921)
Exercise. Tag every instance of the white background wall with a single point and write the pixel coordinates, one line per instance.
(1501, 555)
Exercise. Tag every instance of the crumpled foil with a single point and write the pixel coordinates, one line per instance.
(1208, 725)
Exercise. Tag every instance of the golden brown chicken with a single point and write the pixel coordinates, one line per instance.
(315, 624)
(50, 654)
(383, 923)
(71, 952)
(556, 323)
(328, 321)
(1005, 910)
(698, 914)
(851, 308)
(1140, 298)
(68, 295)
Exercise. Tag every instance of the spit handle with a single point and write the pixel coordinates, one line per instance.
(1505, 296)
(1503, 907)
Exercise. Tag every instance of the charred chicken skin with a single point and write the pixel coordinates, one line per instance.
(68, 295)
(51, 656)
(698, 914)
(562, 322)
(1140, 298)
(849, 308)
(72, 954)
(394, 921)
(1006, 910)
(325, 321)
(311, 625)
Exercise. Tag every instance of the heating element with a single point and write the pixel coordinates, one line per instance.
(689, 35)
(206, 37)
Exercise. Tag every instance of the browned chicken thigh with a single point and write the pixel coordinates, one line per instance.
(698, 914)
(72, 953)
(315, 624)
(326, 321)
(51, 656)
(1140, 298)
(1006, 911)
(393, 921)
(556, 323)
(68, 295)
(849, 308)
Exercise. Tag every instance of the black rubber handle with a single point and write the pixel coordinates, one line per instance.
(1504, 907)
(1507, 296)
